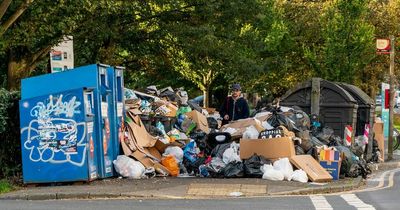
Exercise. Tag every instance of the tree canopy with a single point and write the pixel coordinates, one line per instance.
(266, 45)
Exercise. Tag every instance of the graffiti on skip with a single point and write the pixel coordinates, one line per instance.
(56, 106)
(50, 137)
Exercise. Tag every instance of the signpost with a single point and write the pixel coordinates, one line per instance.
(387, 46)
(62, 55)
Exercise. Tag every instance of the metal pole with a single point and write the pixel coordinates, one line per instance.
(391, 102)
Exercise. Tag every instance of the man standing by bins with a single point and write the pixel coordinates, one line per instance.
(235, 107)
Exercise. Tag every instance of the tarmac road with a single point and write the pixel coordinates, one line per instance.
(381, 192)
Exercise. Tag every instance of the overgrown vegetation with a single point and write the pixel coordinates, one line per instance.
(10, 146)
(5, 186)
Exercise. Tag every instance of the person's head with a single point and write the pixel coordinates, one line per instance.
(236, 90)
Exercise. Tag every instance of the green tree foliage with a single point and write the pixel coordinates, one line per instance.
(10, 146)
(267, 45)
(348, 41)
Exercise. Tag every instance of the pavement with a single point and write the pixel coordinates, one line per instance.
(186, 188)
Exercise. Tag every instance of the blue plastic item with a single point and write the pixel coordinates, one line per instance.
(58, 143)
(190, 151)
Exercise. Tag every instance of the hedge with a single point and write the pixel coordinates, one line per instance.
(10, 144)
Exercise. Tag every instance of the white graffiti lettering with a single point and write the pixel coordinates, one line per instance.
(55, 139)
(43, 145)
(56, 106)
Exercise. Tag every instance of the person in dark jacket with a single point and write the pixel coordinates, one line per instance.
(235, 107)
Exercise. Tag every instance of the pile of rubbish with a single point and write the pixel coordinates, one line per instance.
(165, 134)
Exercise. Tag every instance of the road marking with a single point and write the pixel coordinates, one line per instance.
(353, 200)
(320, 202)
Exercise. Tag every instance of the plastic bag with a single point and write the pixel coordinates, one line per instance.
(306, 143)
(175, 151)
(170, 163)
(213, 139)
(316, 142)
(300, 176)
(299, 150)
(271, 174)
(190, 151)
(301, 119)
(129, 94)
(219, 150)
(212, 123)
(183, 110)
(127, 167)
(266, 125)
(230, 130)
(216, 165)
(285, 167)
(250, 133)
(358, 148)
(193, 167)
(347, 161)
(252, 166)
(233, 170)
(278, 118)
(231, 154)
(325, 134)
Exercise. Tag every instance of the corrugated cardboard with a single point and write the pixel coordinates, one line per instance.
(200, 119)
(154, 152)
(142, 137)
(313, 169)
(148, 162)
(210, 110)
(241, 125)
(171, 107)
(378, 135)
(269, 148)
(160, 146)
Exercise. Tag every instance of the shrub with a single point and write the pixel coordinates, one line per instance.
(10, 144)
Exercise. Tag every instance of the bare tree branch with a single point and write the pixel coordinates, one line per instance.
(21, 9)
(3, 7)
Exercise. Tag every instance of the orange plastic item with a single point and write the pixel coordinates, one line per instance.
(172, 139)
(170, 163)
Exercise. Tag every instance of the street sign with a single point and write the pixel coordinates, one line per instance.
(62, 55)
(382, 46)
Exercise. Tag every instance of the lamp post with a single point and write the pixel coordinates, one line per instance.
(391, 103)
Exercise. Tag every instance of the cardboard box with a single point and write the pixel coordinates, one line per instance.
(199, 119)
(241, 125)
(329, 155)
(333, 168)
(378, 135)
(210, 110)
(313, 169)
(160, 146)
(148, 162)
(269, 148)
(165, 105)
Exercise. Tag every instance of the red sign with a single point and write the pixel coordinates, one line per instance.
(383, 46)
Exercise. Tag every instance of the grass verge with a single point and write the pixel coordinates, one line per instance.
(5, 186)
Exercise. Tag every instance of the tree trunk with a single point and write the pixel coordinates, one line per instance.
(17, 69)
(20, 67)
(11, 20)
(206, 94)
